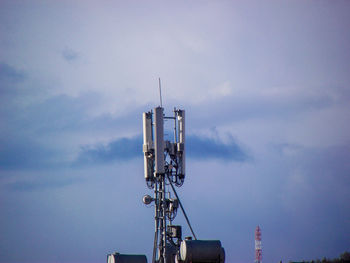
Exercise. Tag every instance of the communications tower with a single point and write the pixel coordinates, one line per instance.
(258, 250)
(164, 169)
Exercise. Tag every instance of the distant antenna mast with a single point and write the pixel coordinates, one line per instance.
(258, 250)
(160, 94)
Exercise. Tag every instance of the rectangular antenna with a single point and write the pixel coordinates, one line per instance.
(160, 93)
(181, 143)
(159, 140)
(147, 145)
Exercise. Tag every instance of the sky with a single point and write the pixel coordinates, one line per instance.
(266, 89)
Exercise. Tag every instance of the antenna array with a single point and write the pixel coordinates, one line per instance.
(163, 157)
(164, 166)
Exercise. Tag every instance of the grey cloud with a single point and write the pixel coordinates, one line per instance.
(200, 148)
(234, 108)
(62, 113)
(20, 153)
(11, 79)
(208, 148)
(32, 135)
(331, 159)
(10, 74)
(69, 55)
(43, 183)
(121, 149)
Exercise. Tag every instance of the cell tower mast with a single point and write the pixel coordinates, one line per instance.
(164, 164)
(258, 250)
(164, 169)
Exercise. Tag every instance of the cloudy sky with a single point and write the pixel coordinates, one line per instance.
(266, 89)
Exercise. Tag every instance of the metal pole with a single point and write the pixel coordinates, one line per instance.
(160, 93)
(164, 217)
(156, 218)
(160, 222)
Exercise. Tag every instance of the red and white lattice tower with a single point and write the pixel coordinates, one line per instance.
(258, 251)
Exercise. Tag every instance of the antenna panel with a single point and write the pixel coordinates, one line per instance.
(181, 121)
(148, 145)
(147, 131)
(181, 143)
(159, 140)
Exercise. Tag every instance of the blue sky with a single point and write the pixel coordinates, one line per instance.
(265, 86)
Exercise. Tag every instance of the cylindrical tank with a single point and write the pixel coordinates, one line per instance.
(209, 251)
(159, 140)
(124, 258)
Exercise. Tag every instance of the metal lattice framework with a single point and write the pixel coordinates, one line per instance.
(258, 249)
